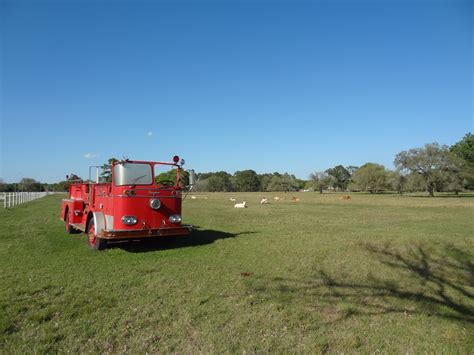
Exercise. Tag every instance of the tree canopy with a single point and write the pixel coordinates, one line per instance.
(321, 180)
(106, 174)
(170, 175)
(246, 180)
(433, 163)
(464, 149)
(371, 177)
(341, 177)
(213, 182)
(285, 182)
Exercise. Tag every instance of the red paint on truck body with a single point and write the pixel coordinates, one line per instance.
(105, 205)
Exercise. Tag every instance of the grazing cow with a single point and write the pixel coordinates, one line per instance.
(263, 201)
(296, 199)
(346, 197)
(241, 205)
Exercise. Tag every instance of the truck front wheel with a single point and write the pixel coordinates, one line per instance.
(69, 228)
(93, 240)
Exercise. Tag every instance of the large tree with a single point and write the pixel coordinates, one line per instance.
(341, 177)
(397, 181)
(352, 169)
(285, 182)
(432, 162)
(370, 177)
(265, 180)
(29, 184)
(414, 182)
(170, 175)
(106, 174)
(321, 180)
(464, 149)
(220, 181)
(246, 180)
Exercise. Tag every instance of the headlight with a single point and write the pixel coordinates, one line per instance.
(129, 220)
(155, 203)
(176, 218)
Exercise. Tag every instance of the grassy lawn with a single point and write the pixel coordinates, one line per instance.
(375, 273)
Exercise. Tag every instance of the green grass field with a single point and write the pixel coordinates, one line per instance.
(376, 273)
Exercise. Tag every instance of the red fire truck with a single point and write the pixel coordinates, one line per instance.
(132, 206)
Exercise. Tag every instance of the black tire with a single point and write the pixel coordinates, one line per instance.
(93, 240)
(69, 228)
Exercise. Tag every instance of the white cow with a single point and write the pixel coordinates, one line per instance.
(232, 199)
(263, 201)
(241, 205)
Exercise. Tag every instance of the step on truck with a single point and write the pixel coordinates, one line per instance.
(130, 205)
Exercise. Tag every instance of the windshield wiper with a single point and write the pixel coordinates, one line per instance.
(138, 178)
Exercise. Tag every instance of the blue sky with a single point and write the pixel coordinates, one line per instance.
(296, 86)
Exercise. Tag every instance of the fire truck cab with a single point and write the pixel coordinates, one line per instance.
(133, 205)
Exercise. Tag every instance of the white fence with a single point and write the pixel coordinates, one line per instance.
(11, 199)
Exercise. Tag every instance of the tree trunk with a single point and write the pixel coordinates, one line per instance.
(320, 190)
(431, 191)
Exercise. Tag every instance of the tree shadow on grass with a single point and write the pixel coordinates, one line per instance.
(433, 283)
(196, 238)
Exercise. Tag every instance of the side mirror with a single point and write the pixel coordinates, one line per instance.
(192, 177)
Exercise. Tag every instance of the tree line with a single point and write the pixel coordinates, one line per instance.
(430, 168)
(25, 184)
(247, 181)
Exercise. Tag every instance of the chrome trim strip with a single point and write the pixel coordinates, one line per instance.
(187, 226)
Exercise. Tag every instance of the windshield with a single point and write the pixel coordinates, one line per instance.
(164, 175)
(132, 174)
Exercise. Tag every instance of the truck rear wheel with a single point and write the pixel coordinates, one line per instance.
(93, 240)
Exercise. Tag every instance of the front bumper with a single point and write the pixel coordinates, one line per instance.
(146, 233)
